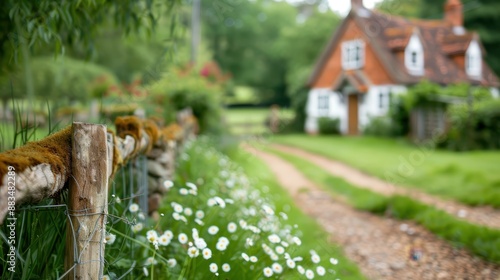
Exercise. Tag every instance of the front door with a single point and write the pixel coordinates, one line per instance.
(352, 115)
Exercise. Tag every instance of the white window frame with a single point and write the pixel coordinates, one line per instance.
(474, 60)
(323, 104)
(414, 56)
(353, 54)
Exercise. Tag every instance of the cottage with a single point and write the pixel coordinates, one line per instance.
(373, 55)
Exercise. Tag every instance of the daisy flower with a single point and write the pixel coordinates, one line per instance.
(268, 272)
(277, 268)
(168, 184)
(309, 274)
(231, 227)
(290, 263)
(226, 267)
(245, 257)
(315, 258)
(207, 253)
(320, 270)
(183, 239)
(133, 208)
(280, 250)
(164, 240)
(213, 230)
(110, 238)
(253, 259)
(137, 227)
(213, 267)
(188, 211)
(273, 238)
(200, 243)
(193, 252)
(200, 214)
(172, 262)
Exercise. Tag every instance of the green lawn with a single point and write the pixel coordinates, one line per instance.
(314, 237)
(470, 177)
(482, 241)
(251, 120)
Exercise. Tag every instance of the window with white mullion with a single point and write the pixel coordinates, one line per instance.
(352, 54)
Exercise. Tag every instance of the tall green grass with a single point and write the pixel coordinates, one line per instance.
(480, 240)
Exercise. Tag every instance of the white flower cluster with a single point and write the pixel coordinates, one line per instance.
(232, 224)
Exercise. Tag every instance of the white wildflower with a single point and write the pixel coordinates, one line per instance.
(277, 268)
(191, 186)
(213, 230)
(183, 191)
(320, 270)
(150, 261)
(109, 238)
(168, 184)
(280, 250)
(164, 240)
(315, 258)
(334, 261)
(200, 243)
(137, 227)
(213, 267)
(231, 227)
(183, 239)
(290, 263)
(273, 238)
(268, 272)
(172, 262)
(297, 240)
(211, 202)
(226, 267)
(253, 259)
(200, 214)
(309, 274)
(300, 269)
(188, 211)
(245, 256)
(207, 253)
(193, 252)
(133, 208)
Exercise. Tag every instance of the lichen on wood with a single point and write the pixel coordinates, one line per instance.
(42, 168)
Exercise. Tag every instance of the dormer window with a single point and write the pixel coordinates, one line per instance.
(414, 56)
(353, 54)
(473, 60)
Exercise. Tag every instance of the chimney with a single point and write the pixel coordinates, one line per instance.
(453, 13)
(356, 4)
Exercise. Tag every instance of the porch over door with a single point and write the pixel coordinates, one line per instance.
(352, 115)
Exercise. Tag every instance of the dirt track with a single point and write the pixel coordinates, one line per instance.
(486, 216)
(380, 246)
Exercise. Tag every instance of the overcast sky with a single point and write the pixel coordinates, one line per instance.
(343, 6)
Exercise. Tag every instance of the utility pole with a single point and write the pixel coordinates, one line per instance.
(195, 30)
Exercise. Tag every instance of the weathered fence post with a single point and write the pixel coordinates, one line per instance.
(87, 202)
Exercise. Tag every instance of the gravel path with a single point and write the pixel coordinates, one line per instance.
(380, 246)
(486, 216)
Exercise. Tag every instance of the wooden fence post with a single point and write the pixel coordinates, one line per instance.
(87, 202)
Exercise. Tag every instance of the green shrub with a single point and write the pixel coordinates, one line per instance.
(399, 116)
(177, 91)
(379, 126)
(477, 129)
(63, 78)
(329, 125)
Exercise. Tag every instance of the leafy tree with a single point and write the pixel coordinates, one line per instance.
(407, 8)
